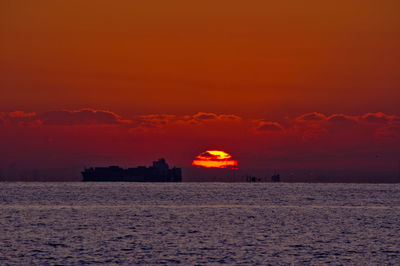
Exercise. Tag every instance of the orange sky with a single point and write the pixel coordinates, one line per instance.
(252, 57)
(267, 62)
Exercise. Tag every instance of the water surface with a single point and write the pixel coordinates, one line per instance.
(199, 223)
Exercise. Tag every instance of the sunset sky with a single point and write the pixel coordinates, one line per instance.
(311, 88)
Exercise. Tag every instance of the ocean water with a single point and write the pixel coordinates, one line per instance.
(199, 223)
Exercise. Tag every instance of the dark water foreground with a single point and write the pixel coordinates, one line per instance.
(199, 223)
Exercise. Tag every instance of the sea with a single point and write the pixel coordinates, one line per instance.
(199, 224)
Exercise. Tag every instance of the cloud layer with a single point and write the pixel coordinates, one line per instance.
(85, 116)
(309, 126)
(81, 117)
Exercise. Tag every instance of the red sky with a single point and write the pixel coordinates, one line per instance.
(308, 88)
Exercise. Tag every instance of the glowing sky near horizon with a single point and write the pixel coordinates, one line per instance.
(299, 86)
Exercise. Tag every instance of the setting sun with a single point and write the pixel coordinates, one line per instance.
(215, 159)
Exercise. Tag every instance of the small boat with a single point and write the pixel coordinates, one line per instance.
(250, 178)
(276, 178)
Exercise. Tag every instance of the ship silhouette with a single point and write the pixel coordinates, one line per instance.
(274, 178)
(158, 172)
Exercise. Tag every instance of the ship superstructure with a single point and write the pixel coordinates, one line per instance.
(158, 172)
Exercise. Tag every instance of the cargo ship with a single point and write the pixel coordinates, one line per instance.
(158, 172)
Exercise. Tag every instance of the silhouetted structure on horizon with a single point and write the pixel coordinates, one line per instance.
(274, 178)
(159, 172)
(250, 178)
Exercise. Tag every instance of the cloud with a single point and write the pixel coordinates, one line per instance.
(18, 118)
(314, 125)
(201, 116)
(85, 116)
(314, 116)
(264, 126)
(309, 126)
(145, 122)
(322, 119)
(207, 155)
(376, 118)
(155, 120)
(21, 114)
(229, 117)
(205, 116)
(89, 116)
(342, 120)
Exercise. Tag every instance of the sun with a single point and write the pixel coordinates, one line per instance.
(215, 159)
